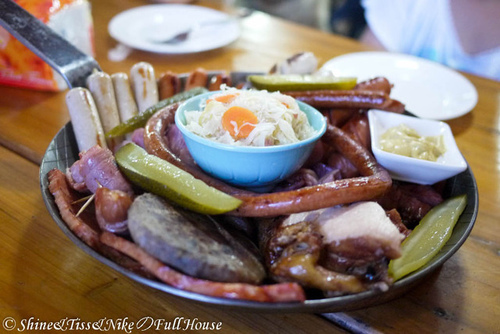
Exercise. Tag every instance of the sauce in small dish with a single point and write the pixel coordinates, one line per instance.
(406, 141)
(410, 169)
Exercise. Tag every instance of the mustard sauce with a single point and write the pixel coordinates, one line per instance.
(405, 141)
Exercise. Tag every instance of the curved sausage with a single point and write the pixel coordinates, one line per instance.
(156, 143)
(281, 292)
(338, 117)
(85, 119)
(354, 99)
(373, 182)
(358, 128)
(64, 197)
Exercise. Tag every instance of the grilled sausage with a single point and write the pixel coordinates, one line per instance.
(144, 85)
(127, 108)
(219, 79)
(354, 99)
(373, 182)
(169, 84)
(197, 78)
(101, 87)
(85, 119)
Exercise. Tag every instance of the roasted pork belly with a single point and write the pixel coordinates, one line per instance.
(343, 249)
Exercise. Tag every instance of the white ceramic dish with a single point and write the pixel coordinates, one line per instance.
(428, 89)
(140, 27)
(413, 169)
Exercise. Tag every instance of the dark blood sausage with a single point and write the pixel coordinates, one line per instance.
(373, 182)
(195, 244)
(281, 292)
(353, 99)
(83, 225)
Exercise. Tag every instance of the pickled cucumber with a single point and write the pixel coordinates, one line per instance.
(160, 177)
(140, 120)
(427, 239)
(295, 82)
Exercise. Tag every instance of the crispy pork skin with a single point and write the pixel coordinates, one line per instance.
(362, 220)
(359, 239)
(342, 249)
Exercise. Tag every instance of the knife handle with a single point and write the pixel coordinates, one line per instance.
(72, 64)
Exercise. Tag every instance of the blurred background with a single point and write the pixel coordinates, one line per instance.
(461, 34)
(344, 17)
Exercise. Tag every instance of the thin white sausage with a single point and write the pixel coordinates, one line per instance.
(144, 85)
(127, 108)
(85, 119)
(101, 87)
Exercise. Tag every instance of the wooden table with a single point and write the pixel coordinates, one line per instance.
(45, 276)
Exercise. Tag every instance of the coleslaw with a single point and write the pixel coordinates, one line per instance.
(250, 118)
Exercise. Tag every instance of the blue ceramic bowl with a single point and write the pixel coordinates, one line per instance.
(258, 168)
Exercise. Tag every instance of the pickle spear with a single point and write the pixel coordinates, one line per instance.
(160, 177)
(141, 119)
(296, 82)
(427, 239)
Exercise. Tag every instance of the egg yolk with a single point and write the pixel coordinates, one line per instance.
(239, 122)
(223, 98)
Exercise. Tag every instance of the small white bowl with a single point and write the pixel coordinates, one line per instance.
(415, 170)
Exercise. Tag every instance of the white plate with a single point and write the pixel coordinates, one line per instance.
(141, 26)
(428, 89)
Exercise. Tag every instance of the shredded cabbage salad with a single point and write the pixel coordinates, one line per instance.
(278, 121)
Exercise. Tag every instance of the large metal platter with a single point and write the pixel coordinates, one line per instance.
(63, 151)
